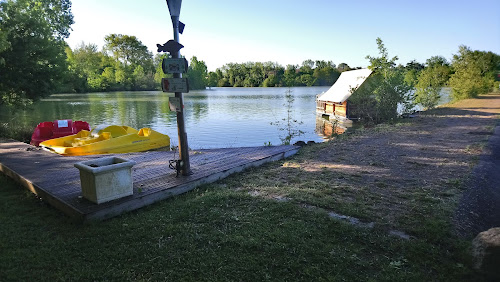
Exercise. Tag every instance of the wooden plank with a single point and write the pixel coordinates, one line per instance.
(341, 109)
(329, 108)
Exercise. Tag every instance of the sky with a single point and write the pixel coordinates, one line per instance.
(291, 31)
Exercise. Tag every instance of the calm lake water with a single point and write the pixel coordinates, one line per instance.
(215, 118)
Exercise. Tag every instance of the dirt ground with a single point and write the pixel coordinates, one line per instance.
(426, 159)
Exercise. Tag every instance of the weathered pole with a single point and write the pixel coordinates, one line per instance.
(174, 7)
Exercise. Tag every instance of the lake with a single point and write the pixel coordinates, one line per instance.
(215, 118)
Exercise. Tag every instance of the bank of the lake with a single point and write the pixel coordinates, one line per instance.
(374, 204)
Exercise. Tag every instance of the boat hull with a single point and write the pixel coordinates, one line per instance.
(59, 128)
(107, 140)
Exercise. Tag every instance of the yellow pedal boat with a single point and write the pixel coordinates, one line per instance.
(107, 139)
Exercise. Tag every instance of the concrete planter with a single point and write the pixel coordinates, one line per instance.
(106, 179)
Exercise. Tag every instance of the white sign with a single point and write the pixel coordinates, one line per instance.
(62, 123)
(175, 104)
(174, 65)
(175, 85)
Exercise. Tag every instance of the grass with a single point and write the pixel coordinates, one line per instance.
(215, 233)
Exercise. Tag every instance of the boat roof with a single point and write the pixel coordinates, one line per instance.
(342, 89)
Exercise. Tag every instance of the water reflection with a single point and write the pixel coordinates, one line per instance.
(328, 128)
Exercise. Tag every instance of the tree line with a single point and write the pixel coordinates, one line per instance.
(35, 62)
(124, 63)
(269, 74)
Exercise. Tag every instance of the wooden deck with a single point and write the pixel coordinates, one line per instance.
(57, 181)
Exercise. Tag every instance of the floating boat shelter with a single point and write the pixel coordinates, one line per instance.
(333, 104)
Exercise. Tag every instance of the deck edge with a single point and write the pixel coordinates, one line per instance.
(44, 195)
(149, 199)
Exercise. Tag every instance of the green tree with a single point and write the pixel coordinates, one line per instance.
(32, 48)
(122, 78)
(129, 50)
(74, 79)
(414, 65)
(4, 44)
(212, 79)
(305, 79)
(437, 61)
(474, 73)
(430, 82)
(343, 67)
(290, 75)
(256, 75)
(412, 70)
(139, 78)
(158, 75)
(379, 99)
(325, 73)
(86, 62)
(108, 78)
(222, 80)
(134, 64)
(270, 81)
(392, 90)
(308, 64)
(197, 74)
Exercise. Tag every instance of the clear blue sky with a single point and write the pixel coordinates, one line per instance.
(291, 31)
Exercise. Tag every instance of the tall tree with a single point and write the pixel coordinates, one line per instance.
(32, 48)
(431, 80)
(212, 79)
(392, 90)
(378, 100)
(474, 72)
(129, 50)
(197, 74)
(129, 53)
(87, 61)
(343, 67)
(290, 75)
(325, 73)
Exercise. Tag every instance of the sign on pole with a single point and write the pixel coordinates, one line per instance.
(175, 85)
(174, 65)
(175, 104)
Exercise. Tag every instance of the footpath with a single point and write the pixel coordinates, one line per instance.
(479, 208)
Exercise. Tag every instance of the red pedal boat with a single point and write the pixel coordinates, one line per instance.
(59, 128)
